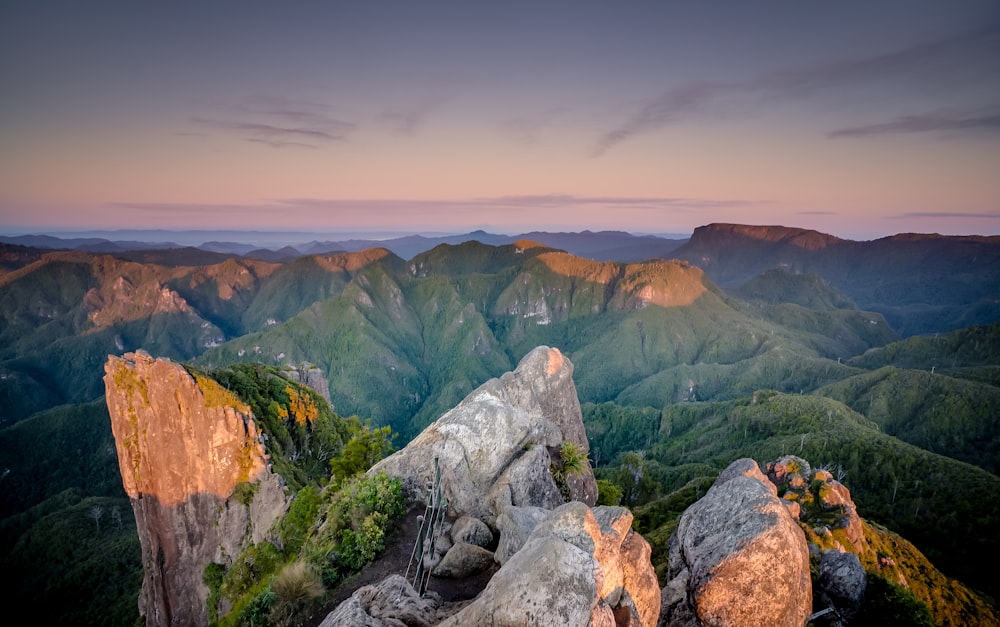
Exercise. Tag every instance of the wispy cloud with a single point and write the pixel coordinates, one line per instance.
(278, 123)
(939, 121)
(986, 215)
(528, 128)
(381, 207)
(968, 56)
(406, 120)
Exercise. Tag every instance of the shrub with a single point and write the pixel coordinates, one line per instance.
(297, 590)
(608, 493)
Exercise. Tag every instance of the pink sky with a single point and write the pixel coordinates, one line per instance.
(854, 120)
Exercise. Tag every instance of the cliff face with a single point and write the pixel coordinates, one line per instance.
(497, 446)
(184, 445)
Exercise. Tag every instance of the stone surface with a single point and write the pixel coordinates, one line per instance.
(578, 566)
(311, 376)
(493, 444)
(182, 450)
(738, 559)
(473, 531)
(463, 560)
(391, 602)
(515, 524)
(842, 582)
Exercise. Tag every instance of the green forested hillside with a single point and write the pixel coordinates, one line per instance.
(670, 367)
(404, 347)
(921, 283)
(64, 313)
(940, 504)
(942, 414)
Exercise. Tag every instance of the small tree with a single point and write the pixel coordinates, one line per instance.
(95, 513)
(366, 447)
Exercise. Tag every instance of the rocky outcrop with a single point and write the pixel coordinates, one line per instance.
(310, 376)
(184, 445)
(579, 566)
(391, 602)
(496, 447)
(738, 558)
(561, 563)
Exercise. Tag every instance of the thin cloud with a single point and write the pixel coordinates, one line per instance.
(174, 208)
(926, 123)
(562, 200)
(278, 123)
(281, 144)
(945, 215)
(257, 130)
(528, 128)
(407, 120)
(525, 203)
(968, 56)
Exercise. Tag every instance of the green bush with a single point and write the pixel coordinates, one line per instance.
(608, 493)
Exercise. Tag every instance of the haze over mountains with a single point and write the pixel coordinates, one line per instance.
(897, 338)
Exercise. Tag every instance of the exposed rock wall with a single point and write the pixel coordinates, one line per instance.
(494, 447)
(183, 447)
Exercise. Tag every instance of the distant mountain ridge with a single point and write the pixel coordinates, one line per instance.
(601, 245)
(921, 283)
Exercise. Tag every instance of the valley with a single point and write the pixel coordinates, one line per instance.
(878, 358)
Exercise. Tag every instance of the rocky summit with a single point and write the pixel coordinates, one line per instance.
(563, 563)
(496, 447)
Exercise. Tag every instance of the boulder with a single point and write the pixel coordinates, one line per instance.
(579, 566)
(515, 524)
(472, 531)
(492, 447)
(738, 558)
(463, 560)
(391, 602)
(842, 582)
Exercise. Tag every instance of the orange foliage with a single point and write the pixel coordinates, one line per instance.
(302, 408)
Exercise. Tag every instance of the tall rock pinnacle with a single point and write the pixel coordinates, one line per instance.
(184, 445)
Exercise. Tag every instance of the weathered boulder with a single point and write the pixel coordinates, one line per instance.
(572, 570)
(183, 446)
(391, 602)
(472, 531)
(463, 560)
(492, 446)
(842, 582)
(515, 525)
(738, 558)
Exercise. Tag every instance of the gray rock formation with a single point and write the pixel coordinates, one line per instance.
(391, 602)
(572, 565)
(463, 560)
(183, 447)
(310, 376)
(579, 566)
(472, 531)
(515, 525)
(493, 446)
(738, 558)
(842, 582)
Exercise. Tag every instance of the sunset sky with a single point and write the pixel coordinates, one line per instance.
(860, 119)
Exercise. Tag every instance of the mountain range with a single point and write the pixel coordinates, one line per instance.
(897, 337)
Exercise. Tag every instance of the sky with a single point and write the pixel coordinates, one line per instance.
(859, 119)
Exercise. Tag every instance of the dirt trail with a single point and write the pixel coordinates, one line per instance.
(394, 560)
